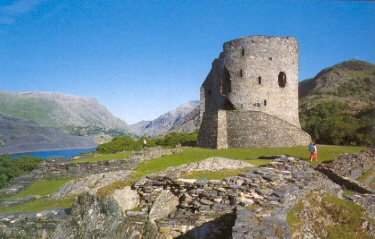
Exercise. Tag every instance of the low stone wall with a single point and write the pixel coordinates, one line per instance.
(57, 168)
(346, 168)
(252, 204)
(30, 224)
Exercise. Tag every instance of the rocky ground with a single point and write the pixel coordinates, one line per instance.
(253, 204)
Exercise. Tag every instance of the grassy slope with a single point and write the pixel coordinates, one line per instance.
(19, 107)
(189, 155)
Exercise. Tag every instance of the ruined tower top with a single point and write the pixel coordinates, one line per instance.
(257, 73)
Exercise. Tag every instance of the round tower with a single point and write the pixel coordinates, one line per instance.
(260, 73)
(250, 96)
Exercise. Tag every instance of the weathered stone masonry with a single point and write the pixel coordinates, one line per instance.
(255, 74)
(253, 204)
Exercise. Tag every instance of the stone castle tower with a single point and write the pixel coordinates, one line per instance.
(250, 96)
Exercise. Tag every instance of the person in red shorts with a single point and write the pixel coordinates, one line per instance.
(314, 152)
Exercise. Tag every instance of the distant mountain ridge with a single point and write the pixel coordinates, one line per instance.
(19, 135)
(162, 124)
(59, 110)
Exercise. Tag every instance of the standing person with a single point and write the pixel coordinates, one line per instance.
(144, 144)
(313, 151)
(315, 156)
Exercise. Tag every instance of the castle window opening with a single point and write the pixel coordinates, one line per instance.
(226, 83)
(241, 73)
(260, 80)
(270, 58)
(265, 102)
(282, 79)
(209, 92)
(243, 51)
(227, 105)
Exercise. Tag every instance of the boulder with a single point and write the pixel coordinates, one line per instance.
(164, 203)
(126, 198)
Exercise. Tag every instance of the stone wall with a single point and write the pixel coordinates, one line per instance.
(244, 128)
(208, 131)
(252, 204)
(51, 168)
(247, 74)
(347, 168)
(252, 74)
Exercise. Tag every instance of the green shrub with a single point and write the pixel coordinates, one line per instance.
(119, 144)
(331, 123)
(12, 168)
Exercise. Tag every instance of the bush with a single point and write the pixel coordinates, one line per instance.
(174, 138)
(330, 123)
(12, 168)
(119, 144)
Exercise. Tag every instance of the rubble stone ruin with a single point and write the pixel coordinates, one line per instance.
(250, 96)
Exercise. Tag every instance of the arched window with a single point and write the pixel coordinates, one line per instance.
(282, 79)
(226, 82)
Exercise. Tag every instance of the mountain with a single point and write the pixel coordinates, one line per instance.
(189, 123)
(350, 82)
(75, 114)
(337, 106)
(162, 124)
(19, 135)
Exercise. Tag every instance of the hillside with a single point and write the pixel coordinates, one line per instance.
(350, 82)
(19, 135)
(163, 123)
(74, 114)
(337, 106)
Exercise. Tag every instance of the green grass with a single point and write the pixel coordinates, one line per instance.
(40, 204)
(366, 174)
(103, 157)
(333, 217)
(44, 187)
(190, 155)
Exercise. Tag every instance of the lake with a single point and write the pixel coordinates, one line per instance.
(45, 154)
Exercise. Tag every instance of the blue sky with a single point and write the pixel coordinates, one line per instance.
(141, 59)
